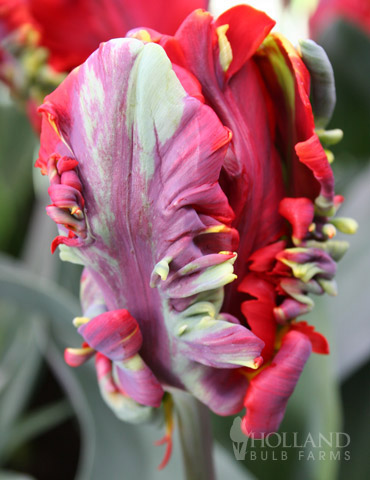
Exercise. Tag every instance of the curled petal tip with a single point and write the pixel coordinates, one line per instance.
(291, 309)
(318, 341)
(329, 286)
(161, 270)
(220, 344)
(78, 321)
(74, 357)
(115, 334)
(122, 405)
(257, 363)
(138, 381)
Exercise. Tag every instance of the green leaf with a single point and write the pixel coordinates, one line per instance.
(356, 408)
(226, 466)
(37, 294)
(8, 475)
(20, 373)
(16, 163)
(36, 423)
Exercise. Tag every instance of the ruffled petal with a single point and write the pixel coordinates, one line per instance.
(311, 154)
(264, 259)
(115, 334)
(269, 391)
(220, 344)
(124, 407)
(164, 221)
(307, 263)
(222, 390)
(318, 341)
(136, 380)
(288, 83)
(290, 309)
(259, 311)
(196, 48)
(75, 357)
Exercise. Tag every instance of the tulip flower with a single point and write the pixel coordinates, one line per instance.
(188, 177)
(356, 12)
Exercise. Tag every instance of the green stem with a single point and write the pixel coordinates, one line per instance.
(195, 437)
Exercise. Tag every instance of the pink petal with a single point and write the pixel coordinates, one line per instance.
(115, 334)
(138, 381)
(222, 345)
(289, 309)
(75, 357)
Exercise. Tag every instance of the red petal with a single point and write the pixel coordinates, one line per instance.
(189, 82)
(62, 240)
(318, 341)
(248, 27)
(279, 59)
(65, 164)
(328, 11)
(90, 22)
(299, 212)
(259, 312)
(263, 260)
(269, 391)
(311, 153)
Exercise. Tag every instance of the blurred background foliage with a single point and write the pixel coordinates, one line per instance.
(53, 422)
